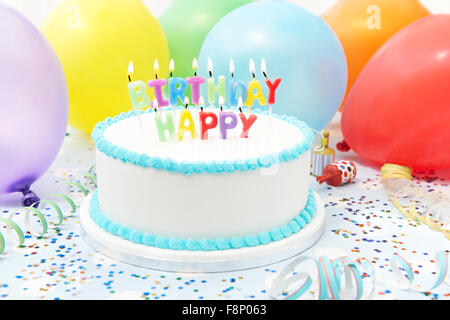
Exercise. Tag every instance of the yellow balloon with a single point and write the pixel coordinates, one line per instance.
(95, 41)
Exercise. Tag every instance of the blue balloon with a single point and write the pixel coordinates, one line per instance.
(298, 47)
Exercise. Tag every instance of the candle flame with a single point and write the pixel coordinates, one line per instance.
(156, 66)
(201, 101)
(195, 65)
(155, 104)
(171, 65)
(210, 66)
(231, 66)
(186, 101)
(130, 68)
(263, 66)
(252, 66)
(221, 102)
(240, 103)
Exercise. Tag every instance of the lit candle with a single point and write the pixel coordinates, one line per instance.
(252, 86)
(214, 89)
(227, 119)
(272, 89)
(208, 120)
(272, 86)
(195, 83)
(234, 86)
(246, 123)
(177, 87)
(183, 127)
(164, 123)
(171, 68)
(157, 85)
(139, 98)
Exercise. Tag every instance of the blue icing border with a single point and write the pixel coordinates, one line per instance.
(190, 168)
(174, 243)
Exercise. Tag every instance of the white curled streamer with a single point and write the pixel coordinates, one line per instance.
(342, 278)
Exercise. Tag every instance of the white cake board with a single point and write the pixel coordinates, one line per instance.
(200, 261)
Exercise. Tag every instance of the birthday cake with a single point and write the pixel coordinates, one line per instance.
(201, 179)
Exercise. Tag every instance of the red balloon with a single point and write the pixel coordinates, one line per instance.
(398, 111)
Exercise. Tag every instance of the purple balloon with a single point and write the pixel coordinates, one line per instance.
(33, 104)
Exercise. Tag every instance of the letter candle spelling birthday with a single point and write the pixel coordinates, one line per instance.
(272, 89)
(220, 89)
(234, 86)
(139, 98)
(195, 83)
(157, 86)
(252, 86)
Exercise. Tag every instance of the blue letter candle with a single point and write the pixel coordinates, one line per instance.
(177, 87)
(234, 86)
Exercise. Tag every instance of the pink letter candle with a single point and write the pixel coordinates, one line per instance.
(157, 87)
(195, 83)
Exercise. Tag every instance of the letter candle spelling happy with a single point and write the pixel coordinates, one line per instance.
(208, 120)
(246, 123)
(224, 116)
(186, 116)
(164, 123)
(157, 85)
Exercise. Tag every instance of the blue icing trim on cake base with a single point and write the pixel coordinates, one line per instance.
(189, 168)
(174, 243)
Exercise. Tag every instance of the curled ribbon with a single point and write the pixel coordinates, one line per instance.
(342, 279)
(35, 210)
(429, 208)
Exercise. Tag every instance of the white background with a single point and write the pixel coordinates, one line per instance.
(37, 10)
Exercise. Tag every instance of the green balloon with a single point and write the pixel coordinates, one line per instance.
(187, 23)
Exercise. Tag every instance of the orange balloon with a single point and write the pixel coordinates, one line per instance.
(364, 25)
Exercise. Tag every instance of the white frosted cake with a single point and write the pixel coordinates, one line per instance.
(202, 195)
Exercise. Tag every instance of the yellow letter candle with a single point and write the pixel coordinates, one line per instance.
(254, 91)
(186, 123)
